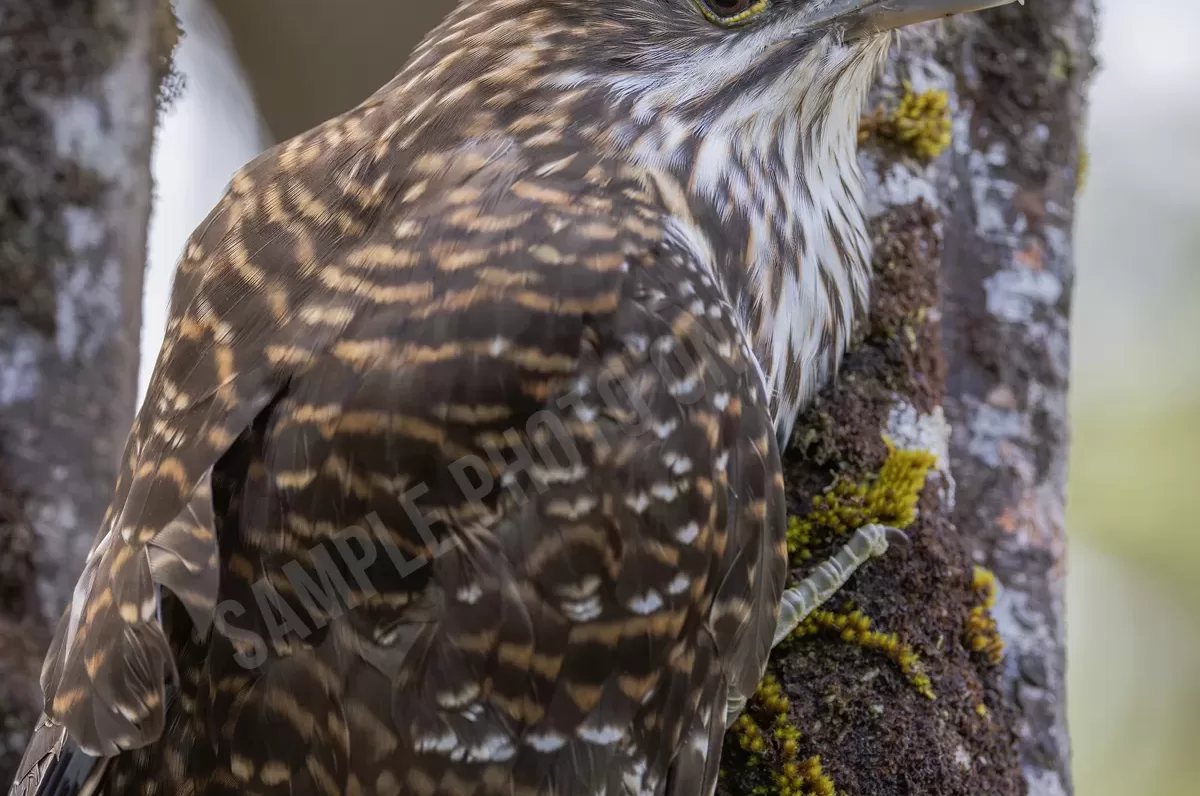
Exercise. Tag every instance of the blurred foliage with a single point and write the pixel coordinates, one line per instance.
(1135, 487)
(1134, 497)
(1134, 501)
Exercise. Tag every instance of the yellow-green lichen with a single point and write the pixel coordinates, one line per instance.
(889, 498)
(921, 122)
(981, 635)
(855, 627)
(792, 776)
(1081, 171)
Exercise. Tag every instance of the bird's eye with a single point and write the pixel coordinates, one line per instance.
(731, 12)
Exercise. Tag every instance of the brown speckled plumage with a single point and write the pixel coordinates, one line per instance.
(498, 359)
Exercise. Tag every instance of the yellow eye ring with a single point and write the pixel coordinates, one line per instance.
(730, 13)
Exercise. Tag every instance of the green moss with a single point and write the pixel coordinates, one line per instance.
(855, 627)
(888, 498)
(921, 123)
(981, 635)
(790, 775)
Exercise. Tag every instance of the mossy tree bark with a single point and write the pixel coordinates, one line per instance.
(78, 87)
(940, 669)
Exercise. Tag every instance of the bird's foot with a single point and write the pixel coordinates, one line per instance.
(822, 583)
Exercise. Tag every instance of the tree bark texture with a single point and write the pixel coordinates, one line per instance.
(78, 85)
(939, 671)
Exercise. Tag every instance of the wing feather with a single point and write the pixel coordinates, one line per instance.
(246, 315)
(573, 624)
(105, 672)
(54, 766)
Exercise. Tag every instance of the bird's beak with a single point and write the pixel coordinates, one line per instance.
(864, 17)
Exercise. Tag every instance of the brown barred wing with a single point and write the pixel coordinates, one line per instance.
(602, 569)
(108, 662)
(248, 308)
(563, 545)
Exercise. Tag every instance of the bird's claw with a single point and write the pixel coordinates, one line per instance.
(796, 603)
(869, 541)
(897, 537)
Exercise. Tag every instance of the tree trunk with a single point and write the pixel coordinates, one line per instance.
(940, 669)
(78, 82)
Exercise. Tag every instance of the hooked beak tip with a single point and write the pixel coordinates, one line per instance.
(881, 16)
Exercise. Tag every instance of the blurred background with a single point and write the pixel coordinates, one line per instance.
(258, 72)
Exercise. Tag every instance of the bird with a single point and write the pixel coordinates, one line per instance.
(459, 469)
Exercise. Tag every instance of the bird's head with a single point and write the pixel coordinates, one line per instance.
(743, 113)
(696, 52)
(699, 52)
